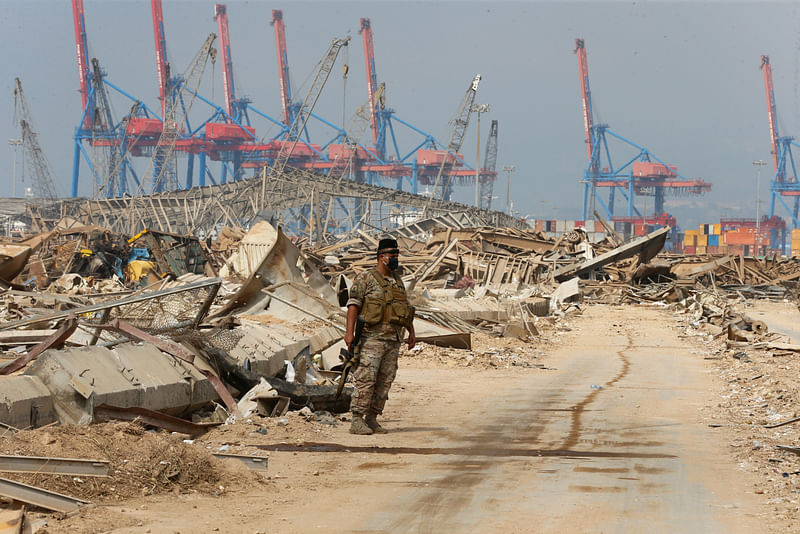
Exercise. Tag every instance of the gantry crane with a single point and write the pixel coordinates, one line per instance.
(784, 183)
(228, 137)
(643, 174)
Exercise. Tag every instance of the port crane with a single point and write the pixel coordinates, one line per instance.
(785, 183)
(44, 187)
(644, 174)
(303, 114)
(488, 173)
(443, 179)
(228, 137)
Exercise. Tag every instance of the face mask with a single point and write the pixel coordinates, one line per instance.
(392, 264)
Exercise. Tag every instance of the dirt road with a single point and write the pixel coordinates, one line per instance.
(612, 438)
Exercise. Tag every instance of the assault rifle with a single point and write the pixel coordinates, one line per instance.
(350, 355)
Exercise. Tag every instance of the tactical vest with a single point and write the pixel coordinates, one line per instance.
(391, 308)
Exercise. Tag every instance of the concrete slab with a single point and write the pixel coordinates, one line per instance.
(129, 375)
(25, 402)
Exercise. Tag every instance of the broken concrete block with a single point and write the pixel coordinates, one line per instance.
(25, 402)
(516, 331)
(126, 376)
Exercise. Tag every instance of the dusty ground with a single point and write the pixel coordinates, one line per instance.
(625, 420)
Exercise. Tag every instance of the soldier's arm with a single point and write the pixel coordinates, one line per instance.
(352, 315)
(354, 303)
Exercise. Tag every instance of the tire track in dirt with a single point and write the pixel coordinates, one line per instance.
(577, 410)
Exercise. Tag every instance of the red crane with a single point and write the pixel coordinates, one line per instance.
(372, 77)
(83, 53)
(766, 68)
(586, 95)
(221, 16)
(283, 66)
(162, 66)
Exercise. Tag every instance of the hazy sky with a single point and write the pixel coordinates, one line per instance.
(680, 78)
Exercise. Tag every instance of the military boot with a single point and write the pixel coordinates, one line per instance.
(358, 426)
(372, 423)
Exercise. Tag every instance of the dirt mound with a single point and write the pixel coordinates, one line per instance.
(141, 462)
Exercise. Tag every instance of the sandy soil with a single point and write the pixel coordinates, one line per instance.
(624, 421)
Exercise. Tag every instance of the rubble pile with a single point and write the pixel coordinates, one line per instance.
(176, 333)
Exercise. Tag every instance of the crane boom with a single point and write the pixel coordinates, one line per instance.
(766, 68)
(175, 117)
(82, 49)
(303, 114)
(586, 95)
(162, 66)
(283, 65)
(372, 77)
(489, 164)
(221, 16)
(456, 139)
(43, 184)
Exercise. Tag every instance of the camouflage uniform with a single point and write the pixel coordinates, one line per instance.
(380, 348)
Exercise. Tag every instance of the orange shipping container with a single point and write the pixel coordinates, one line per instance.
(702, 240)
(740, 238)
(700, 250)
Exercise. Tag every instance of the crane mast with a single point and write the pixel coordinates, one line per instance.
(303, 114)
(221, 16)
(82, 49)
(586, 95)
(283, 66)
(43, 185)
(456, 139)
(162, 66)
(489, 164)
(766, 68)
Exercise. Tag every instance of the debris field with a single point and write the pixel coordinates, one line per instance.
(130, 364)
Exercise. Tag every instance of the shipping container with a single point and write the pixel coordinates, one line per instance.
(712, 250)
(639, 229)
(740, 238)
(717, 229)
(795, 233)
(713, 240)
(702, 240)
(561, 226)
(699, 250)
(689, 250)
(689, 240)
(589, 225)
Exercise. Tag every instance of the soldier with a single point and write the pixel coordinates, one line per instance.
(378, 297)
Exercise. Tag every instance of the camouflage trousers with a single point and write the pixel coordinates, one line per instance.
(374, 375)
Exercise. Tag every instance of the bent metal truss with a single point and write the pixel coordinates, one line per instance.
(294, 196)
